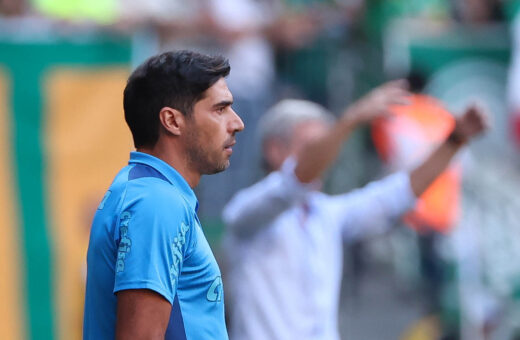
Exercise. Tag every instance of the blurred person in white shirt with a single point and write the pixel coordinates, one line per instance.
(285, 238)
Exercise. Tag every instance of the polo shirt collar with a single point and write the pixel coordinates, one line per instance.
(172, 175)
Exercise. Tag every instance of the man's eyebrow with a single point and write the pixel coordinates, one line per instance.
(223, 103)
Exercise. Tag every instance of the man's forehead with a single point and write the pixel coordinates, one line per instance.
(219, 92)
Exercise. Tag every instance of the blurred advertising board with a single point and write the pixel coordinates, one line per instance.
(63, 139)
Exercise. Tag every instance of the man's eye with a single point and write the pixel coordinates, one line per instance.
(221, 109)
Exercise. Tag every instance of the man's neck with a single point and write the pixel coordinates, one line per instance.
(176, 160)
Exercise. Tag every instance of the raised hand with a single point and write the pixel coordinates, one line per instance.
(472, 123)
(377, 102)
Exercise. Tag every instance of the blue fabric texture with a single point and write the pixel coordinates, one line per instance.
(146, 235)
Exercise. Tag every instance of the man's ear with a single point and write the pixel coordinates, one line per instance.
(172, 120)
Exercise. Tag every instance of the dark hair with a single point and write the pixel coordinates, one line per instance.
(175, 79)
(416, 81)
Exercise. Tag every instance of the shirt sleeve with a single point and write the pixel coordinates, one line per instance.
(152, 240)
(374, 208)
(254, 208)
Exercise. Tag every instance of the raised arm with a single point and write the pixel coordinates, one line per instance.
(372, 209)
(470, 124)
(255, 207)
(318, 155)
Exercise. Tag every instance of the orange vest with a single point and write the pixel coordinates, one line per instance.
(404, 140)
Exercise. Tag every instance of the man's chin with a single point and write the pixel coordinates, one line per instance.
(219, 168)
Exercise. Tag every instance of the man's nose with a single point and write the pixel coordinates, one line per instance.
(237, 124)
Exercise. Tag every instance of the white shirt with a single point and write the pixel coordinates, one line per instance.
(284, 246)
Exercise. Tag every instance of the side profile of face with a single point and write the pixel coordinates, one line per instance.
(211, 129)
(276, 150)
(305, 133)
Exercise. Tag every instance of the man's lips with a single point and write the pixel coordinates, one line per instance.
(229, 146)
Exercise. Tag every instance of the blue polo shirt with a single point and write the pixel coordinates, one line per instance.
(146, 235)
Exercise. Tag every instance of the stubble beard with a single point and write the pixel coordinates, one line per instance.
(199, 157)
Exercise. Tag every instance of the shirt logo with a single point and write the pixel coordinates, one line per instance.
(177, 244)
(215, 290)
(125, 242)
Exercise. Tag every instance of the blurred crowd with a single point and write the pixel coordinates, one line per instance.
(463, 270)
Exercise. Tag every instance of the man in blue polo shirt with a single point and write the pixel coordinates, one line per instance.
(151, 273)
